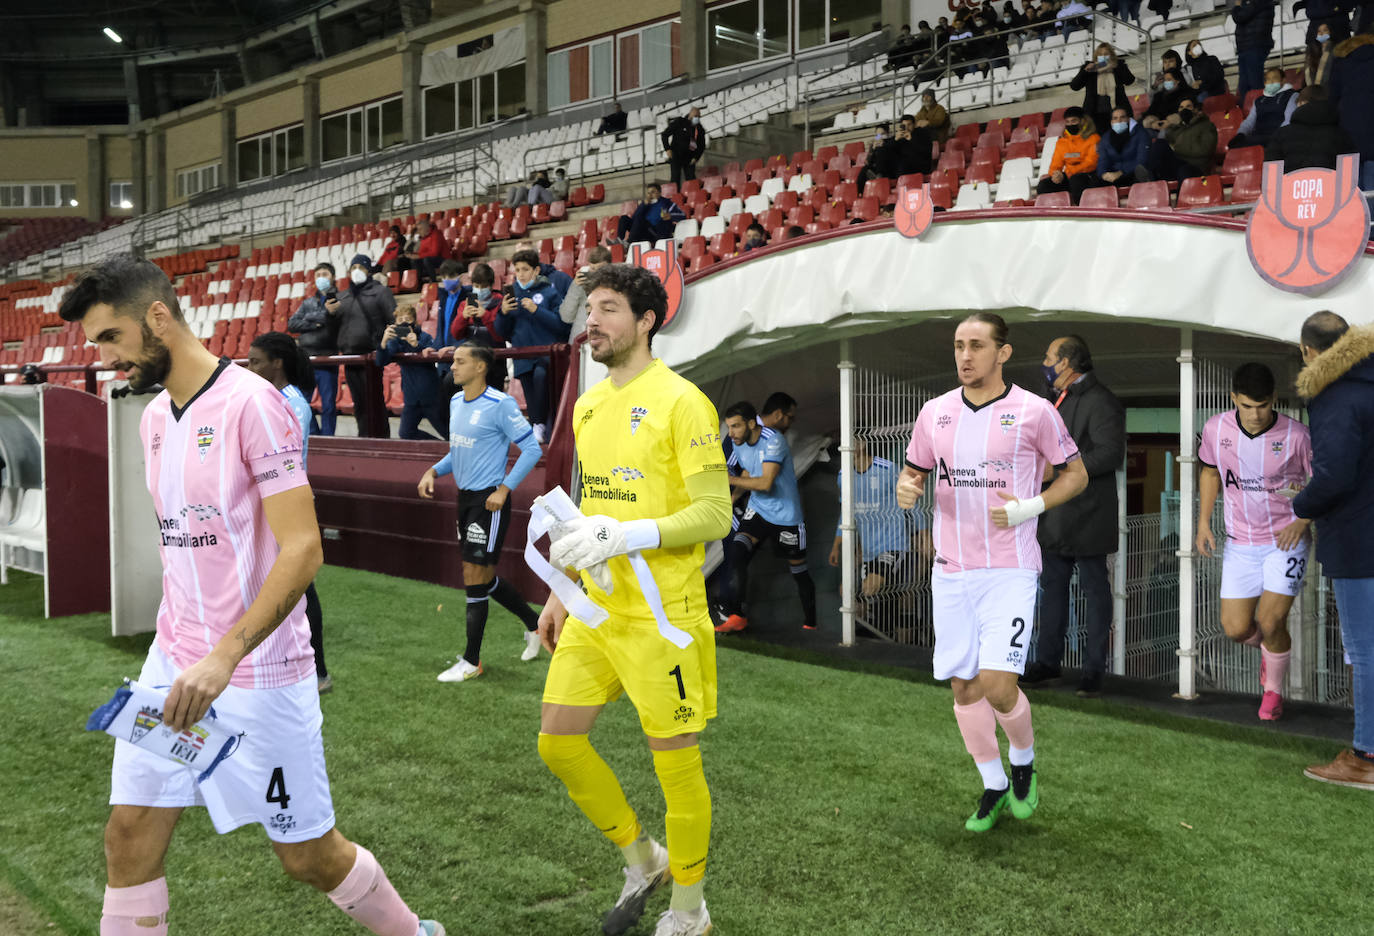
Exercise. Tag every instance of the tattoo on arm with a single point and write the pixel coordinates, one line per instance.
(249, 642)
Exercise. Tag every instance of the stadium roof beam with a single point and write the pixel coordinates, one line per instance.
(306, 21)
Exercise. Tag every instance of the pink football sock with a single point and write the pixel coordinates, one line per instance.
(368, 897)
(1275, 669)
(978, 725)
(1254, 640)
(1017, 723)
(140, 910)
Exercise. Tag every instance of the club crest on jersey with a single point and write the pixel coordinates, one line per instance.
(637, 414)
(1277, 447)
(205, 436)
(1007, 421)
(145, 721)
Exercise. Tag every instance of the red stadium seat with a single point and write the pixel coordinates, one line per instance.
(723, 245)
(865, 209)
(1242, 158)
(826, 153)
(853, 149)
(1149, 195)
(1036, 120)
(1102, 197)
(410, 281)
(697, 264)
(1022, 149)
(1002, 126)
(1247, 186)
(1200, 192)
(1249, 102)
(968, 132)
(1219, 103)
(880, 188)
(911, 180)
(1053, 200)
(981, 172)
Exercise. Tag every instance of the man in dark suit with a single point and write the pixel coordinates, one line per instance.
(684, 140)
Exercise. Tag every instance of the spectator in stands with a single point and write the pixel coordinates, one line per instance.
(614, 122)
(1125, 9)
(994, 44)
(754, 238)
(1173, 90)
(684, 142)
(539, 187)
(1075, 14)
(903, 49)
(963, 53)
(529, 318)
(1208, 77)
(924, 41)
(1075, 154)
(795, 231)
(1186, 146)
(1081, 535)
(1271, 110)
(519, 194)
(1313, 138)
(933, 117)
(561, 281)
(654, 218)
(1334, 13)
(1317, 69)
(882, 157)
(1103, 82)
(430, 251)
(365, 310)
(393, 258)
(1011, 19)
(1120, 153)
(465, 312)
(1336, 383)
(913, 148)
(1254, 21)
(1352, 78)
(1168, 62)
(316, 321)
(574, 307)
(420, 384)
(559, 189)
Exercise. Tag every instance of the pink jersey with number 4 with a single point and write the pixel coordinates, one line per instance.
(972, 454)
(1253, 470)
(209, 467)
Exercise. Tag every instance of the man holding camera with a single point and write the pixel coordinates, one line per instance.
(574, 307)
(420, 385)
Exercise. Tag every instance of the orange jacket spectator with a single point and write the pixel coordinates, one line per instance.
(1075, 154)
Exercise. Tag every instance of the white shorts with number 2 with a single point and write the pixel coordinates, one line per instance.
(983, 620)
(276, 776)
(1248, 570)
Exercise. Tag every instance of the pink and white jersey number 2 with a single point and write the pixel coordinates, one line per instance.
(1253, 470)
(972, 453)
(209, 467)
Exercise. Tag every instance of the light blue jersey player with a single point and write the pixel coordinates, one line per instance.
(764, 462)
(483, 424)
(301, 407)
(884, 530)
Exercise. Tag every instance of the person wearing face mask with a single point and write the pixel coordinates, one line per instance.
(1271, 110)
(882, 157)
(1169, 61)
(1317, 70)
(684, 142)
(1313, 139)
(755, 237)
(420, 382)
(1186, 146)
(1075, 154)
(465, 312)
(529, 318)
(365, 310)
(1173, 90)
(1120, 153)
(316, 321)
(1082, 532)
(1254, 21)
(1103, 82)
(1209, 78)
(574, 307)
(1334, 13)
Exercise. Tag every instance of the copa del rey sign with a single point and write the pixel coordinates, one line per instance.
(1310, 226)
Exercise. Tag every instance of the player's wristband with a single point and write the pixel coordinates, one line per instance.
(640, 534)
(1019, 511)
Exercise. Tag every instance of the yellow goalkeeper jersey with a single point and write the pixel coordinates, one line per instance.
(636, 445)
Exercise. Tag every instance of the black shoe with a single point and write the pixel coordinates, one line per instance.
(1090, 687)
(1040, 674)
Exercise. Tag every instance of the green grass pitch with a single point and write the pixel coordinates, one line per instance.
(839, 799)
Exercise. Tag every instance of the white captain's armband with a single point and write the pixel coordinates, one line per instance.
(134, 714)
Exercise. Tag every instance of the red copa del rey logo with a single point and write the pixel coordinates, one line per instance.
(1310, 226)
(914, 210)
(668, 268)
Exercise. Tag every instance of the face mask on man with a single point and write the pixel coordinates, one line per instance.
(452, 284)
(323, 283)
(1185, 114)
(1170, 85)
(483, 292)
(1072, 130)
(1007, 18)
(1103, 59)
(1120, 126)
(1051, 375)
(1272, 88)
(695, 121)
(358, 276)
(524, 284)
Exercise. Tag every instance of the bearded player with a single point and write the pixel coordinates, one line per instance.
(989, 444)
(1253, 454)
(653, 482)
(240, 545)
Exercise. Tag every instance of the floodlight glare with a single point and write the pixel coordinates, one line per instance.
(114, 36)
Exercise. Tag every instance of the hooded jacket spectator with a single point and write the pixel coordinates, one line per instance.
(1075, 153)
(1339, 388)
(1122, 152)
(530, 329)
(1194, 142)
(1352, 90)
(364, 313)
(937, 121)
(1312, 139)
(1096, 421)
(318, 331)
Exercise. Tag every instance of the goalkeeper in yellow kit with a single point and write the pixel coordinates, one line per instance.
(653, 491)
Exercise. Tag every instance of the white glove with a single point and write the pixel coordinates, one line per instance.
(1019, 511)
(589, 541)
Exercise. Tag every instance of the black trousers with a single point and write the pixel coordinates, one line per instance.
(356, 376)
(682, 167)
(1096, 622)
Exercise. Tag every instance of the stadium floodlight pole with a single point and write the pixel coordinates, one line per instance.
(846, 368)
(1119, 578)
(1187, 446)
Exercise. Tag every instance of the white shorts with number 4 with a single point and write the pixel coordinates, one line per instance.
(1248, 570)
(275, 777)
(983, 620)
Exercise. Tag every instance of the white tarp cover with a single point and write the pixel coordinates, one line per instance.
(1151, 271)
(445, 67)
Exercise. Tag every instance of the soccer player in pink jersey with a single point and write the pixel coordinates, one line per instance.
(1256, 455)
(239, 545)
(990, 445)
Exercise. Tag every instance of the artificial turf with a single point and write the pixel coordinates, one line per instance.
(839, 799)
